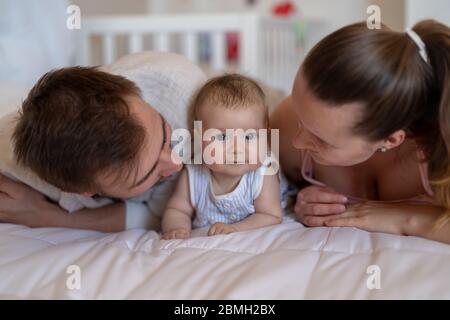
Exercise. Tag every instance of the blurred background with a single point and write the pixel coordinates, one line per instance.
(266, 39)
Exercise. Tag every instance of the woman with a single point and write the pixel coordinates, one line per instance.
(368, 125)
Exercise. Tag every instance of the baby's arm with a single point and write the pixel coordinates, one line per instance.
(267, 210)
(177, 218)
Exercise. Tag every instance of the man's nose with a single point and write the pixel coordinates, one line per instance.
(171, 163)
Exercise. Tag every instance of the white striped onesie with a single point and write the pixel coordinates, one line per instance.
(227, 208)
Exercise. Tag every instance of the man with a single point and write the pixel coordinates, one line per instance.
(96, 143)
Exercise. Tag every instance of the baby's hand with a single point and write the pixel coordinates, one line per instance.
(221, 228)
(176, 234)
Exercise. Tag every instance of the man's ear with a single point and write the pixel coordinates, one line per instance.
(395, 139)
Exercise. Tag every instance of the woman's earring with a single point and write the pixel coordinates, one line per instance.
(383, 149)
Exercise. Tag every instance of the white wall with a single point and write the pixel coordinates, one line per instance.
(327, 16)
(183, 6)
(94, 7)
(420, 9)
(33, 39)
(334, 14)
(392, 13)
(324, 16)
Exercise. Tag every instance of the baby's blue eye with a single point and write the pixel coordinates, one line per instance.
(221, 137)
(250, 136)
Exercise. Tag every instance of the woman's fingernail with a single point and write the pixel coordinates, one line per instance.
(344, 199)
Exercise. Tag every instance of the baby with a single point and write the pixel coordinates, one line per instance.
(226, 195)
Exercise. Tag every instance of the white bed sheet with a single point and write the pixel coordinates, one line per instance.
(286, 261)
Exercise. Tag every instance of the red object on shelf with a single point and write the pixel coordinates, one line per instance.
(284, 8)
(232, 46)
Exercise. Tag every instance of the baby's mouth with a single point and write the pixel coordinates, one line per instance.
(233, 163)
(236, 159)
(236, 162)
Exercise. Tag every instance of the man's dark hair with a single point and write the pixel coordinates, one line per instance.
(76, 124)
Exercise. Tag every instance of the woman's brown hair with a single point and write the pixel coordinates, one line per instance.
(383, 70)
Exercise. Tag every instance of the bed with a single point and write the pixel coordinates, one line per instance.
(287, 261)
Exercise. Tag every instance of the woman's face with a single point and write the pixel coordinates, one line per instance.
(325, 131)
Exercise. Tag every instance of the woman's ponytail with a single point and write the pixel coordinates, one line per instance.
(436, 37)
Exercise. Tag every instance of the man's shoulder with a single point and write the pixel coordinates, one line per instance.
(7, 125)
(168, 81)
(9, 166)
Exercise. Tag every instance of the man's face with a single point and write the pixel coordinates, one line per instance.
(154, 160)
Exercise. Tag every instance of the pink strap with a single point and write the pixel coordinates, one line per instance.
(307, 170)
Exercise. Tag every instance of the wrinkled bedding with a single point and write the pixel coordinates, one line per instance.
(287, 261)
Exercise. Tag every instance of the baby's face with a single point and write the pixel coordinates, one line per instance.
(232, 138)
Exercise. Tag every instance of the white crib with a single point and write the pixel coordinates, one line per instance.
(269, 49)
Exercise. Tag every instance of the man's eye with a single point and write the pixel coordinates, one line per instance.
(250, 136)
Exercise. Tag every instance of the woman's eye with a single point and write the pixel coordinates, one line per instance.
(250, 136)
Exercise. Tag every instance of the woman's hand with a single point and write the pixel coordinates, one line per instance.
(315, 205)
(394, 218)
(20, 204)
